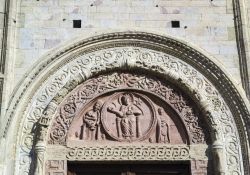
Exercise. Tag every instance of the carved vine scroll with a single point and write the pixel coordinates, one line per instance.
(184, 68)
(132, 111)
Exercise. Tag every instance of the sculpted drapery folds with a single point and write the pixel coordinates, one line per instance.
(127, 117)
(91, 123)
(162, 127)
(127, 107)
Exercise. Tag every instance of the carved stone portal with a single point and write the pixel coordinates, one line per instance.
(127, 116)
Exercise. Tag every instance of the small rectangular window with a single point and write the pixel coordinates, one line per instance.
(77, 23)
(175, 24)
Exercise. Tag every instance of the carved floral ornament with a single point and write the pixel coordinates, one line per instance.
(124, 55)
(151, 60)
(125, 114)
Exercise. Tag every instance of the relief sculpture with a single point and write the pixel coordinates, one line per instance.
(127, 120)
(126, 107)
(128, 116)
(129, 152)
(90, 129)
(125, 116)
(162, 127)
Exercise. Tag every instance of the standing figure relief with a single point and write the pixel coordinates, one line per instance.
(91, 123)
(162, 127)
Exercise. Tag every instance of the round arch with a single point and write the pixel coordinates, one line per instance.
(199, 74)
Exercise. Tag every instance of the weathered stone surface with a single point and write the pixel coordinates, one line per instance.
(151, 118)
(201, 22)
(56, 167)
(35, 28)
(141, 58)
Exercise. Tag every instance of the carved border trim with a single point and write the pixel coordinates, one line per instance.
(180, 50)
(176, 48)
(175, 69)
(140, 152)
(147, 152)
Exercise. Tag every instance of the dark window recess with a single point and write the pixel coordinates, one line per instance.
(175, 24)
(77, 23)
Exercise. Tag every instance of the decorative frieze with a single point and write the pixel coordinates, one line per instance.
(107, 152)
(132, 152)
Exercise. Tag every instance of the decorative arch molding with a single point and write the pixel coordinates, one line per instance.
(225, 108)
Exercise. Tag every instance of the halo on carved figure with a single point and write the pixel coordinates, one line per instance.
(128, 116)
(127, 95)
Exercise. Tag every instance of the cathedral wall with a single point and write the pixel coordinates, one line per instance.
(38, 27)
(45, 24)
(1, 36)
(247, 28)
(2, 16)
(1, 23)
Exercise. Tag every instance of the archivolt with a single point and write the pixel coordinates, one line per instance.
(188, 68)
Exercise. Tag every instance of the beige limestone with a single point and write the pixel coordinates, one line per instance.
(36, 28)
(45, 24)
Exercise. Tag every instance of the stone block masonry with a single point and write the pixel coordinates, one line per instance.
(46, 24)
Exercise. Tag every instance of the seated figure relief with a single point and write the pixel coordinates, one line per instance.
(127, 120)
(128, 117)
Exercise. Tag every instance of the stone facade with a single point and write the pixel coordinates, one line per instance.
(200, 47)
(44, 25)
